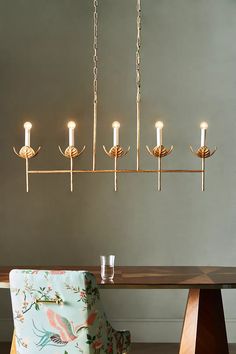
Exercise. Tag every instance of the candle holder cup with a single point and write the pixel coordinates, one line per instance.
(203, 153)
(115, 153)
(71, 152)
(159, 152)
(26, 153)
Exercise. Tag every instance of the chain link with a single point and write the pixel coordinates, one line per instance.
(95, 47)
(138, 80)
(138, 47)
(95, 79)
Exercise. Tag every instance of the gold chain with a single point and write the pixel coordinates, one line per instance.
(138, 46)
(95, 47)
(138, 80)
(95, 79)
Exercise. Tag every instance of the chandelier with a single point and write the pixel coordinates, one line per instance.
(116, 151)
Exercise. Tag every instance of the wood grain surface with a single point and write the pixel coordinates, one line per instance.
(150, 277)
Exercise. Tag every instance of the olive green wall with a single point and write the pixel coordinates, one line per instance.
(188, 74)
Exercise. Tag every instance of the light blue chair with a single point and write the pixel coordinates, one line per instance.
(60, 312)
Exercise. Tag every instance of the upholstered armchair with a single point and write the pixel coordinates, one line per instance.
(60, 312)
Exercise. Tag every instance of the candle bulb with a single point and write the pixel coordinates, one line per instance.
(203, 127)
(27, 127)
(71, 125)
(116, 127)
(159, 126)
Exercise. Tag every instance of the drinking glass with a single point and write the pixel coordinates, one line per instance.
(107, 267)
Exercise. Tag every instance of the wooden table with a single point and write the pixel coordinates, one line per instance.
(204, 329)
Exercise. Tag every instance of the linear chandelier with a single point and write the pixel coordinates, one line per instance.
(116, 151)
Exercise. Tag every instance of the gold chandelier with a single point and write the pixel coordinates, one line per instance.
(116, 151)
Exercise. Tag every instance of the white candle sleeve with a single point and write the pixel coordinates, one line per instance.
(159, 136)
(115, 136)
(203, 137)
(71, 137)
(27, 137)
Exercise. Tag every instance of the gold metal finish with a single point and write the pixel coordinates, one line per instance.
(95, 80)
(26, 152)
(57, 301)
(115, 174)
(203, 153)
(159, 173)
(138, 81)
(111, 171)
(203, 173)
(115, 153)
(71, 153)
(159, 152)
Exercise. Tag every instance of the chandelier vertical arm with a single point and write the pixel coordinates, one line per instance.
(115, 174)
(159, 177)
(27, 174)
(203, 174)
(95, 80)
(138, 80)
(71, 174)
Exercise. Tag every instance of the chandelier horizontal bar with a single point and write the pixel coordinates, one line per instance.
(112, 171)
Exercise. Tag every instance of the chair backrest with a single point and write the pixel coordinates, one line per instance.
(59, 312)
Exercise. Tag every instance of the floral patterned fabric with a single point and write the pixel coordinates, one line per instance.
(60, 312)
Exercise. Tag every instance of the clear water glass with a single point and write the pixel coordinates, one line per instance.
(107, 267)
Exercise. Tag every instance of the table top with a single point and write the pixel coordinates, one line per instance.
(150, 277)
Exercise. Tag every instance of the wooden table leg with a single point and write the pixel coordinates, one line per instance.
(204, 329)
(13, 344)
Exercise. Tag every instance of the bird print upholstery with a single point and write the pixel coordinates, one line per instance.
(60, 312)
